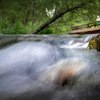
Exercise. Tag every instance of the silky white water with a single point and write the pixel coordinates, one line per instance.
(61, 68)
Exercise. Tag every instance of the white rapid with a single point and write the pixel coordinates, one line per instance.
(75, 41)
(52, 69)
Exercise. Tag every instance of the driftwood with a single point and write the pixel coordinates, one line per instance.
(57, 16)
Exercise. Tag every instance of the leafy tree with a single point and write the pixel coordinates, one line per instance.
(32, 17)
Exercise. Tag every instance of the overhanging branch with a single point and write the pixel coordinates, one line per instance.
(57, 16)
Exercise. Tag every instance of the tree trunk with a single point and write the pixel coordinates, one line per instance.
(26, 16)
(57, 16)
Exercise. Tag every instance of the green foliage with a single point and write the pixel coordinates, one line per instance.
(19, 28)
(7, 28)
(25, 16)
(47, 31)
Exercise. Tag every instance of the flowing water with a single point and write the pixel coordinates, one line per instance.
(55, 68)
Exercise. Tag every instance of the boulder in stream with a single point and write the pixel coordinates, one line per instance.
(94, 43)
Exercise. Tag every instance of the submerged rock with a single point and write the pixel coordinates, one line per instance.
(94, 43)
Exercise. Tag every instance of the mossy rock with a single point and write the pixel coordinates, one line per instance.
(94, 43)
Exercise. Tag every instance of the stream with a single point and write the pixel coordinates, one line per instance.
(49, 67)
